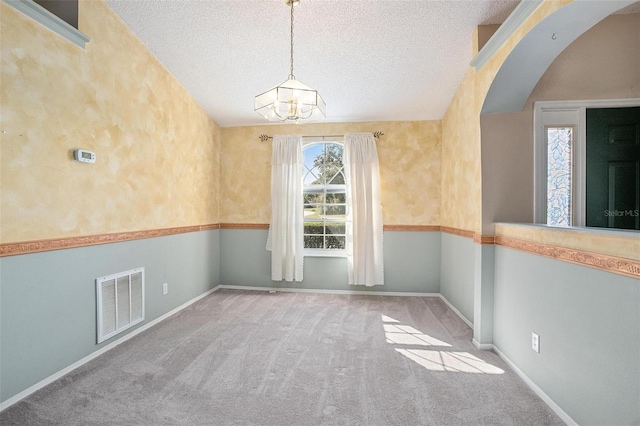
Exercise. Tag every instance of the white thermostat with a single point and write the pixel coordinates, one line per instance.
(84, 156)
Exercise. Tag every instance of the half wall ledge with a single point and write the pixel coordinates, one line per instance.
(615, 251)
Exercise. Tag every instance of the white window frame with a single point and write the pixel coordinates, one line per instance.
(327, 252)
(565, 114)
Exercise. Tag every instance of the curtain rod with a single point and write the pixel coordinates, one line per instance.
(265, 138)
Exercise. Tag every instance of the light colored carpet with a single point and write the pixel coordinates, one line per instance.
(255, 358)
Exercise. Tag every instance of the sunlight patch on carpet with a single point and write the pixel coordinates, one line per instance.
(405, 338)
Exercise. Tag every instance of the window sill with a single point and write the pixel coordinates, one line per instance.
(325, 253)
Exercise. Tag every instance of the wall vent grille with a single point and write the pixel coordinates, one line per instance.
(120, 301)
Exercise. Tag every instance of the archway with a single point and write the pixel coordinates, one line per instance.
(532, 56)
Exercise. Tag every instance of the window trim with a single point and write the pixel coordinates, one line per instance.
(567, 114)
(314, 252)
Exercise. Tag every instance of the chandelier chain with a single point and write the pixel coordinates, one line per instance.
(291, 100)
(291, 72)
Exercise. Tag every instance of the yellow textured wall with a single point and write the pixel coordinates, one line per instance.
(157, 151)
(409, 156)
(461, 171)
(461, 154)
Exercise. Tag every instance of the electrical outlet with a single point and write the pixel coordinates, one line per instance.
(165, 288)
(535, 342)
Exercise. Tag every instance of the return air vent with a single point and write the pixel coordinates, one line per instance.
(120, 299)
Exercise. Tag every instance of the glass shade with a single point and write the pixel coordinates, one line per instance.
(290, 101)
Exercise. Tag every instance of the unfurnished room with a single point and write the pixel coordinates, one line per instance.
(319, 212)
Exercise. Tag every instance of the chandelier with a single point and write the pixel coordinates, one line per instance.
(290, 100)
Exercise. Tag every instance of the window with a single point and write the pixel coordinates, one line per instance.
(559, 169)
(559, 175)
(587, 163)
(324, 197)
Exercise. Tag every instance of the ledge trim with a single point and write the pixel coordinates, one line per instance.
(484, 239)
(477, 238)
(27, 247)
(244, 226)
(209, 227)
(616, 265)
(456, 231)
(414, 228)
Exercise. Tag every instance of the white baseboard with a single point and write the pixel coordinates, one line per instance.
(482, 346)
(547, 400)
(42, 383)
(488, 346)
(454, 309)
(306, 290)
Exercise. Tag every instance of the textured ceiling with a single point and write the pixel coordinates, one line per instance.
(369, 59)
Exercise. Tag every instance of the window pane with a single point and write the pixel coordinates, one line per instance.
(335, 228)
(335, 243)
(336, 198)
(559, 141)
(313, 198)
(310, 153)
(332, 153)
(335, 211)
(314, 242)
(329, 163)
(312, 176)
(312, 211)
(336, 174)
(328, 172)
(314, 228)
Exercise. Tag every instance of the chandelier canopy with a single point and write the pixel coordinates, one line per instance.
(291, 100)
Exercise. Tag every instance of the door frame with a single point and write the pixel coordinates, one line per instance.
(569, 114)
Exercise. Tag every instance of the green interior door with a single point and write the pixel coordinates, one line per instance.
(613, 168)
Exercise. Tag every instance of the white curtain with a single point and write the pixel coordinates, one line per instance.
(285, 239)
(364, 230)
